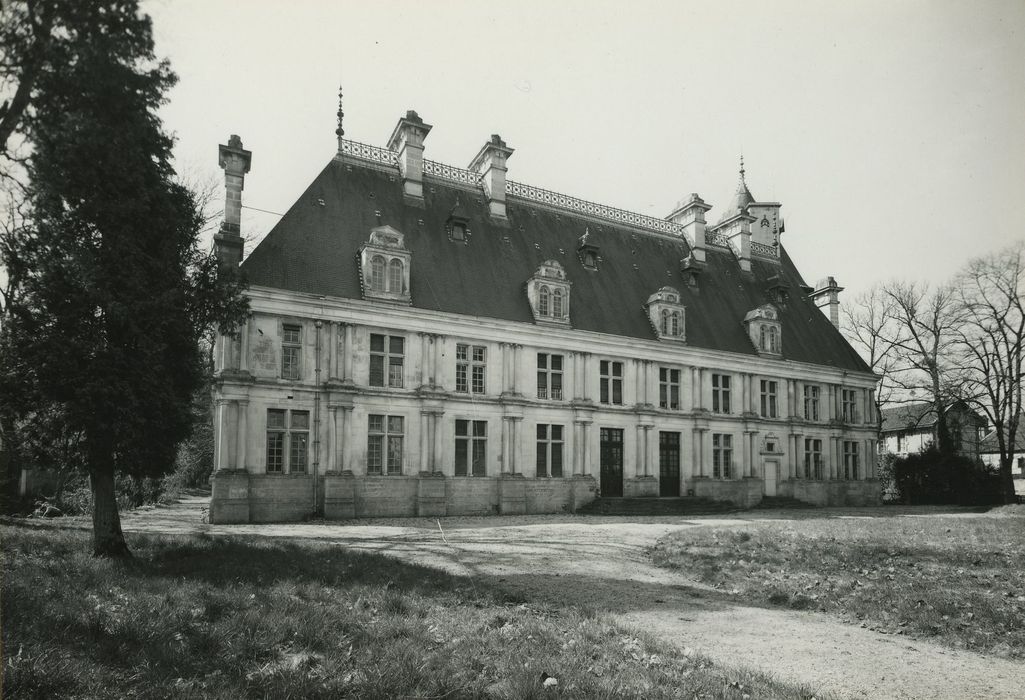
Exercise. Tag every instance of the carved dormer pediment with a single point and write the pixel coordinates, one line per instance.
(548, 294)
(765, 330)
(667, 315)
(384, 264)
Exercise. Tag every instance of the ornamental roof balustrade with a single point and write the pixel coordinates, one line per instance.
(765, 251)
(374, 154)
(450, 172)
(716, 238)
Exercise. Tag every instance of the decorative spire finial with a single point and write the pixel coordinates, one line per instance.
(741, 166)
(340, 132)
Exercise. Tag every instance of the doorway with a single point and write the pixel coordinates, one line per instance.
(668, 464)
(771, 476)
(611, 448)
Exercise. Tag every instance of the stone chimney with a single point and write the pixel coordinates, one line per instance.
(490, 162)
(408, 141)
(690, 214)
(826, 296)
(235, 162)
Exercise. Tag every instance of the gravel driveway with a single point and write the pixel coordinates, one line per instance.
(601, 562)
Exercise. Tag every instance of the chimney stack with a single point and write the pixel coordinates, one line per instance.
(827, 294)
(235, 162)
(490, 162)
(408, 141)
(691, 215)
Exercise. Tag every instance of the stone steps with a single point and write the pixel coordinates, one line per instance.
(775, 502)
(684, 505)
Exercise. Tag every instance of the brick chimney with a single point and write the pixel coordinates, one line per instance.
(690, 213)
(490, 162)
(826, 296)
(408, 141)
(235, 162)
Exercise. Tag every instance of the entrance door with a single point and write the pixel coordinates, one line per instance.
(771, 475)
(668, 464)
(611, 462)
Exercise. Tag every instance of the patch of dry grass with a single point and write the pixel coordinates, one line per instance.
(213, 618)
(958, 580)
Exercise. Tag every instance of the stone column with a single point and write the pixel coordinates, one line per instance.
(332, 438)
(514, 382)
(514, 429)
(242, 434)
(639, 462)
(439, 372)
(647, 382)
(438, 458)
(349, 332)
(647, 450)
(745, 453)
(244, 346)
(587, 449)
(222, 437)
(831, 460)
(347, 436)
(505, 368)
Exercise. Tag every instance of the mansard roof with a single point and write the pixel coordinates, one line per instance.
(313, 249)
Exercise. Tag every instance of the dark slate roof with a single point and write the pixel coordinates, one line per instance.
(989, 443)
(314, 247)
(919, 415)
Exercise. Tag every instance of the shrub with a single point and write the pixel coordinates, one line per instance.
(132, 492)
(933, 478)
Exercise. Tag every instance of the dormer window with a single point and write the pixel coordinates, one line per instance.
(587, 251)
(765, 330)
(457, 231)
(384, 266)
(457, 225)
(548, 293)
(667, 314)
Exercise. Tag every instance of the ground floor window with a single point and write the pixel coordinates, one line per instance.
(813, 459)
(549, 450)
(850, 460)
(288, 435)
(384, 444)
(722, 456)
(471, 447)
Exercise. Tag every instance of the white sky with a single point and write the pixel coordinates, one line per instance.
(893, 131)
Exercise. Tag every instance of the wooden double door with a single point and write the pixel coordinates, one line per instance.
(611, 451)
(668, 463)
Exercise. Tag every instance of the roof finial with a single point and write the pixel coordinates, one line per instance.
(340, 132)
(741, 166)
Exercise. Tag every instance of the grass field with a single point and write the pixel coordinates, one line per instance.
(214, 618)
(957, 580)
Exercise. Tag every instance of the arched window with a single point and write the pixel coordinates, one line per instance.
(377, 273)
(557, 310)
(676, 324)
(395, 276)
(773, 340)
(542, 301)
(762, 339)
(665, 322)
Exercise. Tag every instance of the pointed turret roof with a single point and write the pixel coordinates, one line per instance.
(741, 199)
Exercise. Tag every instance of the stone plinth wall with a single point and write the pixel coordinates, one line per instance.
(276, 497)
(640, 487)
(744, 493)
(833, 493)
(472, 496)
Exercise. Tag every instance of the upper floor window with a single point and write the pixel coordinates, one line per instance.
(849, 405)
(811, 402)
(722, 456)
(557, 305)
(850, 460)
(720, 393)
(768, 398)
(549, 450)
(667, 314)
(287, 439)
(765, 330)
(669, 388)
(384, 263)
(471, 447)
(470, 368)
(544, 301)
(377, 273)
(549, 376)
(291, 351)
(611, 387)
(387, 360)
(813, 467)
(385, 435)
(548, 293)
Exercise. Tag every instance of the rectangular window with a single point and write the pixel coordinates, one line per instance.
(811, 402)
(549, 376)
(611, 382)
(722, 456)
(471, 447)
(813, 459)
(720, 393)
(669, 388)
(549, 450)
(849, 405)
(387, 360)
(769, 388)
(850, 460)
(471, 361)
(291, 351)
(287, 439)
(384, 444)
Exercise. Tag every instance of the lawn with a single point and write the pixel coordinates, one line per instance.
(959, 581)
(204, 617)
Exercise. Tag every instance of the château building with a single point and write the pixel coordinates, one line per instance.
(432, 340)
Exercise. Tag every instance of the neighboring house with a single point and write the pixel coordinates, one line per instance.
(910, 428)
(989, 450)
(430, 340)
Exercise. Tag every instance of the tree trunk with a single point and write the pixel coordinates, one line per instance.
(1006, 475)
(108, 540)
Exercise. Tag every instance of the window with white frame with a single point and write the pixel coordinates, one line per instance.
(813, 467)
(288, 435)
(387, 360)
(549, 376)
(669, 388)
(850, 460)
(811, 402)
(385, 436)
(549, 450)
(471, 365)
(769, 406)
(849, 405)
(722, 456)
(471, 447)
(291, 350)
(611, 385)
(720, 393)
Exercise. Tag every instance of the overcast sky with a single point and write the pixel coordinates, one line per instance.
(892, 131)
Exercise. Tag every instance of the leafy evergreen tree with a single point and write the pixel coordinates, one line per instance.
(114, 291)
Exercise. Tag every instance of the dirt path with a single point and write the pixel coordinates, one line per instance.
(602, 563)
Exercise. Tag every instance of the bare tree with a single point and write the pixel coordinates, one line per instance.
(990, 347)
(868, 324)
